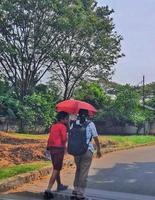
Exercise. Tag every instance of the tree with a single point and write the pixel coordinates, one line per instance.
(92, 93)
(151, 102)
(127, 101)
(4, 85)
(149, 89)
(37, 109)
(140, 117)
(91, 47)
(28, 38)
(128, 109)
(9, 106)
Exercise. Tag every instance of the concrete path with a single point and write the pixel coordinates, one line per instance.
(122, 175)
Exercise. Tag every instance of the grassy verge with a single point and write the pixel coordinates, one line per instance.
(120, 141)
(30, 136)
(10, 171)
(126, 141)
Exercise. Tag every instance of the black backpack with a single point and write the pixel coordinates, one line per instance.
(77, 139)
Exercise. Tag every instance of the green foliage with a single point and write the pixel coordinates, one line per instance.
(126, 103)
(151, 102)
(29, 39)
(9, 106)
(126, 141)
(149, 89)
(77, 41)
(91, 48)
(4, 86)
(129, 108)
(140, 116)
(92, 93)
(126, 108)
(37, 109)
(127, 100)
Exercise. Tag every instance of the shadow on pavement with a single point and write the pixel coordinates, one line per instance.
(26, 195)
(138, 178)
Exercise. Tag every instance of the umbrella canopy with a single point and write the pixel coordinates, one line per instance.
(73, 106)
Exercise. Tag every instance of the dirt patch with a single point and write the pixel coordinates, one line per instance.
(6, 138)
(16, 151)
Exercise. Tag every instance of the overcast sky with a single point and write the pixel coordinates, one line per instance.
(135, 21)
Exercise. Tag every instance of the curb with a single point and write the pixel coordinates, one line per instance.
(14, 182)
(18, 180)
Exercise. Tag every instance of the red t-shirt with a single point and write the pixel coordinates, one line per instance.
(58, 135)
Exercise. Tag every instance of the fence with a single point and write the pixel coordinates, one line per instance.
(103, 128)
(14, 126)
(109, 128)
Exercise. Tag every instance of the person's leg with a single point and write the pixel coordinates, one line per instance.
(48, 194)
(57, 161)
(77, 173)
(58, 179)
(52, 179)
(55, 172)
(84, 170)
(59, 165)
(60, 186)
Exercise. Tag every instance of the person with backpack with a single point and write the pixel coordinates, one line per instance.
(81, 133)
(56, 145)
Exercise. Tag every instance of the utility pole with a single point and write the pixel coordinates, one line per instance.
(144, 99)
(143, 91)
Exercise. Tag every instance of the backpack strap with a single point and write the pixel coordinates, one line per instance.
(86, 124)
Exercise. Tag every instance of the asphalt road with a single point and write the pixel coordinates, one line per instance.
(131, 171)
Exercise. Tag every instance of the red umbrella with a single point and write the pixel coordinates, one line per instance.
(73, 106)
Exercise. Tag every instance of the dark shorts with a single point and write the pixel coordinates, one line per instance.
(57, 156)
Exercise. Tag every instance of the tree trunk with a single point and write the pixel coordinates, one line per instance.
(65, 96)
(21, 128)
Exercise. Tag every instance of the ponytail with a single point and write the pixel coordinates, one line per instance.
(83, 115)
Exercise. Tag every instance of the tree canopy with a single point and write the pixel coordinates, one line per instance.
(28, 38)
(92, 46)
(92, 93)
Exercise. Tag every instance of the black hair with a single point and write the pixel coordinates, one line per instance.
(62, 115)
(83, 115)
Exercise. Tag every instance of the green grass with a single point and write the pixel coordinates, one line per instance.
(30, 136)
(122, 141)
(10, 171)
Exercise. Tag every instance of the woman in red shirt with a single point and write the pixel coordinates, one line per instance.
(56, 145)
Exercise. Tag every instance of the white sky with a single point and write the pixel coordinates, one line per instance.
(135, 21)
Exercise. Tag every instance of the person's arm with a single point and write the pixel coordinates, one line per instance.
(63, 134)
(49, 135)
(96, 140)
